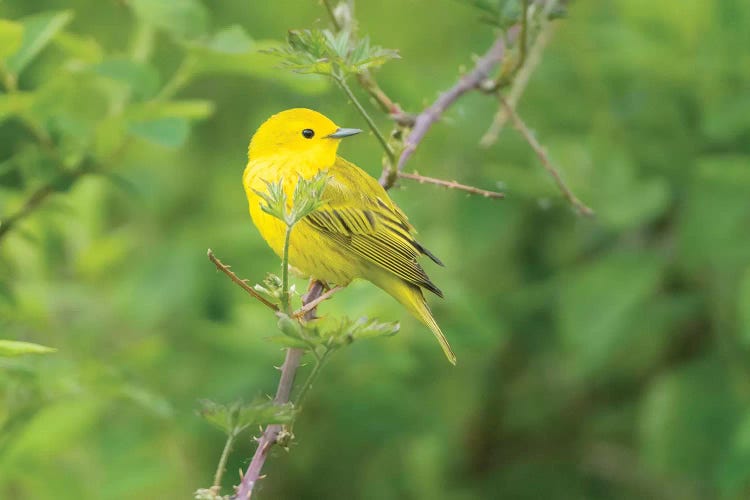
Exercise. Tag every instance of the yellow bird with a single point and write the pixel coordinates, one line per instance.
(359, 232)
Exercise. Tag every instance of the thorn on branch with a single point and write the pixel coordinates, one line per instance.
(452, 185)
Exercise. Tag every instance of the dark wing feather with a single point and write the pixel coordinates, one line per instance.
(368, 223)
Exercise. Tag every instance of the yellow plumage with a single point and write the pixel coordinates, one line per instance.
(358, 233)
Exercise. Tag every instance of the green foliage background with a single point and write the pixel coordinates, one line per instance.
(603, 358)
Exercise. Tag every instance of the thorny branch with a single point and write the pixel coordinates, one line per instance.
(283, 392)
(451, 185)
(424, 121)
(544, 158)
(242, 283)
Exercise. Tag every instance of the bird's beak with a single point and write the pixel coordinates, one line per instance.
(343, 132)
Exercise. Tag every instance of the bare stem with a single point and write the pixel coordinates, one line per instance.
(311, 378)
(451, 185)
(283, 392)
(216, 487)
(544, 158)
(383, 142)
(242, 283)
(332, 14)
(285, 303)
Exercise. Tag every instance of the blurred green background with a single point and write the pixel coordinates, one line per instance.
(598, 358)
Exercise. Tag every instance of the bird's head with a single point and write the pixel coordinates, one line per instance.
(300, 132)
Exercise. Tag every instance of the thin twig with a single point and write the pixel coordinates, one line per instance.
(544, 158)
(216, 487)
(311, 378)
(225, 269)
(370, 122)
(332, 15)
(365, 78)
(425, 120)
(283, 392)
(312, 305)
(451, 185)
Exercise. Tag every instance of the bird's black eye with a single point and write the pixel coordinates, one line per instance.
(308, 133)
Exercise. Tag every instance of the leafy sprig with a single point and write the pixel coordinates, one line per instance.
(332, 54)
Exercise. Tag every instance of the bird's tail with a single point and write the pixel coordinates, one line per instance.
(411, 298)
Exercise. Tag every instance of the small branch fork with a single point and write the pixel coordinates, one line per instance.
(432, 114)
(420, 123)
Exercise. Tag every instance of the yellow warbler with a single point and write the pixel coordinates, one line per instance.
(358, 233)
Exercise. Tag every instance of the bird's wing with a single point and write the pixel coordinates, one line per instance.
(359, 215)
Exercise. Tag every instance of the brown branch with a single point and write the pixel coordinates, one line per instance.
(284, 390)
(314, 303)
(225, 269)
(473, 80)
(544, 158)
(451, 185)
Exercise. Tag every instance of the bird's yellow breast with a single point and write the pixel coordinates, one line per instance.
(309, 253)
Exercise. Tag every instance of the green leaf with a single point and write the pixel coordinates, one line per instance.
(271, 286)
(308, 196)
(11, 34)
(231, 51)
(289, 327)
(344, 331)
(323, 52)
(599, 304)
(11, 348)
(183, 19)
(142, 78)
(687, 419)
(230, 40)
(237, 416)
(38, 31)
(274, 200)
(15, 104)
(194, 109)
(166, 122)
(169, 132)
(83, 48)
